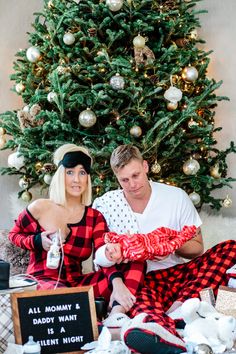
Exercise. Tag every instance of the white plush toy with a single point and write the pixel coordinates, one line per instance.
(205, 325)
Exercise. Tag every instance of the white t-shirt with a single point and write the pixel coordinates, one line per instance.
(168, 206)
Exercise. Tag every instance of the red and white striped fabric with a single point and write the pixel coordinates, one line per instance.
(160, 242)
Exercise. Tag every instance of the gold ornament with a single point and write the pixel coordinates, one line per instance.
(136, 131)
(214, 171)
(38, 166)
(26, 196)
(2, 131)
(156, 168)
(227, 203)
(3, 141)
(172, 106)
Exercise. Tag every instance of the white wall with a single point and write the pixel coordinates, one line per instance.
(218, 29)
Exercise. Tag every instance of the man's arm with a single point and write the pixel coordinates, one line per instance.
(193, 247)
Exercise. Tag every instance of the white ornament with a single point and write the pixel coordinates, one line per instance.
(191, 167)
(68, 38)
(47, 178)
(15, 160)
(193, 34)
(26, 196)
(190, 74)
(117, 82)
(26, 109)
(33, 54)
(136, 131)
(87, 118)
(173, 94)
(23, 183)
(51, 96)
(114, 5)
(195, 198)
(139, 41)
(19, 87)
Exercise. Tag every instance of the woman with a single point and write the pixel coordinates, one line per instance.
(81, 227)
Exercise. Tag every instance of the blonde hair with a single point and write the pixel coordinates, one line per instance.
(57, 191)
(122, 155)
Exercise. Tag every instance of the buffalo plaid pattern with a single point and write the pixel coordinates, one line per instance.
(83, 237)
(6, 324)
(163, 287)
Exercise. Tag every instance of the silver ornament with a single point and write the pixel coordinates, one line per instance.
(117, 82)
(26, 108)
(191, 167)
(136, 131)
(51, 96)
(19, 87)
(190, 74)
(68, 38)
(139, 41)
(195, 198)
(15, 160)
(227, 203)
(202, 349)
(47, 178)
(173, 94)
(33, 54)
(23, 183)
(114, 5)
(87, 118)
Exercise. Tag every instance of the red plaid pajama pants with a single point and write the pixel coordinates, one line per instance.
(163, 287)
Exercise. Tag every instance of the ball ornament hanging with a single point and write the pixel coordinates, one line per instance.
(189, 74)
(24, 182)
(172, 106)
(192, 123)
(114, 5)
(19, 87)
(51, 96)
(214, 171)
(87, 118)
(26, 196)
(33, 54)
(202, 348)
(173, 94)
(195, 198)
(191, 167)
(227, 203)
(16, 160)
(156, 167)
(38, 167)
(47, 178)
(139, 41)
(135, 131)
(68, 38)
(117, 82)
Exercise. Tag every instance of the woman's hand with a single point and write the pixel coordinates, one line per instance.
(122, 295)
(46, 240)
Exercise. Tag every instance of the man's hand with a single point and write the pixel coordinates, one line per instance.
(122, 294)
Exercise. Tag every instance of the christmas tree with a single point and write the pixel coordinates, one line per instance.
(104, 73)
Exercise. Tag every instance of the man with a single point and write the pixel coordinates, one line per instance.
(142, 206)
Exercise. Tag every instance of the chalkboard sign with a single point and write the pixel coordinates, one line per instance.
(61, 320)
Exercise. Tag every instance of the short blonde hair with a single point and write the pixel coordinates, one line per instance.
(57, 191)
(122, 155)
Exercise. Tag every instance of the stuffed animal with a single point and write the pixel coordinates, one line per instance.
(205, 325)
(27, 117)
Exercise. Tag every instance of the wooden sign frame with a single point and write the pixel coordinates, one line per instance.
(69, 314)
